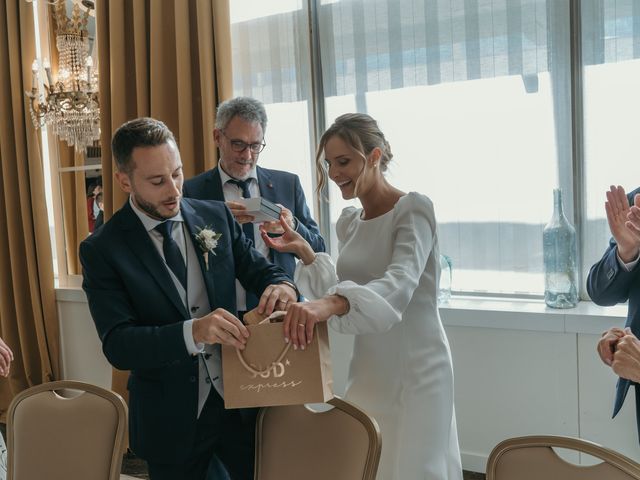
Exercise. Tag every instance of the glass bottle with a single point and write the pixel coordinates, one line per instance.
(560, 258)
(444, 287)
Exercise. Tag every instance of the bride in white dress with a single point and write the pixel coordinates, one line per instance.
(383, 289)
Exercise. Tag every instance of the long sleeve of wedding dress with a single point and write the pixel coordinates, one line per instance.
(378, 304)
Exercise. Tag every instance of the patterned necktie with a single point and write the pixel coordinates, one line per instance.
(246, 227)
(172, 254)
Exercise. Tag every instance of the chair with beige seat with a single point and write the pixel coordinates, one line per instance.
(295, 442)
(54, 433)
(533, 458)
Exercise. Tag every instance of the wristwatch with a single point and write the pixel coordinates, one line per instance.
(292, 285)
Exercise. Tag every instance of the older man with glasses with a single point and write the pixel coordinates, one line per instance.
(239, 134)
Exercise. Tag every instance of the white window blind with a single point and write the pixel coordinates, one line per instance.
(475, 99)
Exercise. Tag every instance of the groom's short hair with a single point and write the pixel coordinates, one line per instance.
(141, 132)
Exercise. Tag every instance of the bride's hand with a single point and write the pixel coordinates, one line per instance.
(302, 317)
(290, 242)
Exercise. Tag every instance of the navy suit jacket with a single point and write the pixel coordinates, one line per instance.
(139, 315)
(276, 186)
(608, 284)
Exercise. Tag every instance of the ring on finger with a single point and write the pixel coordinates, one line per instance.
(301, 325)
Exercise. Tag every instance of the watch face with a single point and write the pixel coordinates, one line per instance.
(293, 286)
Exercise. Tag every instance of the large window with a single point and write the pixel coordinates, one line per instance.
(473, 106)
(611, 79)
(271, 61)
(480, 103)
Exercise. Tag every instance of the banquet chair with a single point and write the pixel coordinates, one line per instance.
(533, 457)
(54, 433)
(294, 442)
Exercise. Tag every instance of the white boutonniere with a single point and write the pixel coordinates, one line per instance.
(207, 241)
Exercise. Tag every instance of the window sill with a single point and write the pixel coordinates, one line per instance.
(70, 294)
(510, 314)
(514, 314)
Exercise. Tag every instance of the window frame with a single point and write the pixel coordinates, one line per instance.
(574, 184)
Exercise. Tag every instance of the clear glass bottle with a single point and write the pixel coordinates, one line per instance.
(444, 287)
(560, 258)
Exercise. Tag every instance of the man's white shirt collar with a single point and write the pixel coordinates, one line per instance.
(224, 177)
(148, 222)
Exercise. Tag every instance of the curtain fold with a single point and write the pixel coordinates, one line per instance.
(168, 60)
(28, 318)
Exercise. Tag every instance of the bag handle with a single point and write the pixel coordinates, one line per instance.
(246, 365)
(275, 316)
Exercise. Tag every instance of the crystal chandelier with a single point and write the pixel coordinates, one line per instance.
(70, 105)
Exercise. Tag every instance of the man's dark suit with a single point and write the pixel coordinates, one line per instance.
(609, 283)
(139, 315)
(276, 186)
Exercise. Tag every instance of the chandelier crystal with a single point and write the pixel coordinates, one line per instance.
(70, 105)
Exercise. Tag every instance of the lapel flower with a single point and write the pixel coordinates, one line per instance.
(207, 240)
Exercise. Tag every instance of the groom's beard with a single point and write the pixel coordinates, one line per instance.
(153, 210)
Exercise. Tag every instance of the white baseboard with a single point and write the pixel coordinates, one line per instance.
(474, 462)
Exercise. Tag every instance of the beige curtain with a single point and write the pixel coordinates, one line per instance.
(170, 60)
(28, 320)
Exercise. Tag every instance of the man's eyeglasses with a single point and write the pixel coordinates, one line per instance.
(239, 146)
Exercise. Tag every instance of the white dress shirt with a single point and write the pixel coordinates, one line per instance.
(233, 192)
(627, 266)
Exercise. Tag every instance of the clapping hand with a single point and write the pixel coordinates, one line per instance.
(624, 222)
(626, 359)
(6, 357)
(607, 344)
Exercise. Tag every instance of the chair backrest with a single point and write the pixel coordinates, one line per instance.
(61, 437)
(533, 458)
(294, 442)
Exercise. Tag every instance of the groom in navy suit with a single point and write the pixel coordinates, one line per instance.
(616, 279)
(160, 281)
(239, 134)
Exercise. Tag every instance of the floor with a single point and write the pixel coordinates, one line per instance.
(136, 468)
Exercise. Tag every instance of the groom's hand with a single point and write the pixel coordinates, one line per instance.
(277, 297)
(221, 327)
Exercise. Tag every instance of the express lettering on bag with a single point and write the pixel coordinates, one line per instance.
(261, 386)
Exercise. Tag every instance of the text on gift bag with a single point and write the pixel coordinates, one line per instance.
(268, 372)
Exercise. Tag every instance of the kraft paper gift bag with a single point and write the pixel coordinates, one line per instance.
(270, 372)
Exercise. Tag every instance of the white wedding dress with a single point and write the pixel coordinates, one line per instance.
(401, 370)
